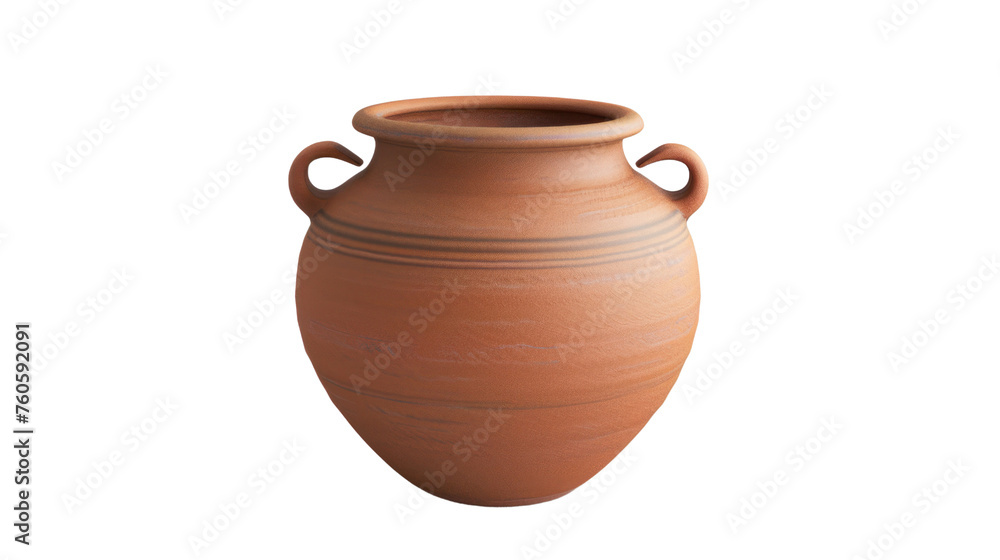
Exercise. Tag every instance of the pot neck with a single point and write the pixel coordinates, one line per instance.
(430, 167)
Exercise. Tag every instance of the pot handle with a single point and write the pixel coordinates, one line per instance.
(309, 198)
(691, 197)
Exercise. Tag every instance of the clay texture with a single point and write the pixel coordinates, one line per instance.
(498, 302)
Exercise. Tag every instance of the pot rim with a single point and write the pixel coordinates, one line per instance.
(376, 120)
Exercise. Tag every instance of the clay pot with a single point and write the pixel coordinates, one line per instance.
(498, 302)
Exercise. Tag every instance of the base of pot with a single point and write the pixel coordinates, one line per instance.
(503, 503)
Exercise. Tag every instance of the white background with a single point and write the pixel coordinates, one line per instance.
(191, 280)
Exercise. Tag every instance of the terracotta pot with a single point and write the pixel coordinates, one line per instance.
(498, 302)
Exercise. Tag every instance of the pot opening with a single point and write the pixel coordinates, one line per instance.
(498, 122)
(500, 117)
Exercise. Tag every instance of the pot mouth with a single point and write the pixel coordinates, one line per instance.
(498, 121)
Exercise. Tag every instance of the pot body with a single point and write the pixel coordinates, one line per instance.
(496, 324)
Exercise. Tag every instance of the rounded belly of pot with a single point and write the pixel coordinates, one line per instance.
(504, 384)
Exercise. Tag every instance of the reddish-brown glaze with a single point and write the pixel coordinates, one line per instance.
(498, 302)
